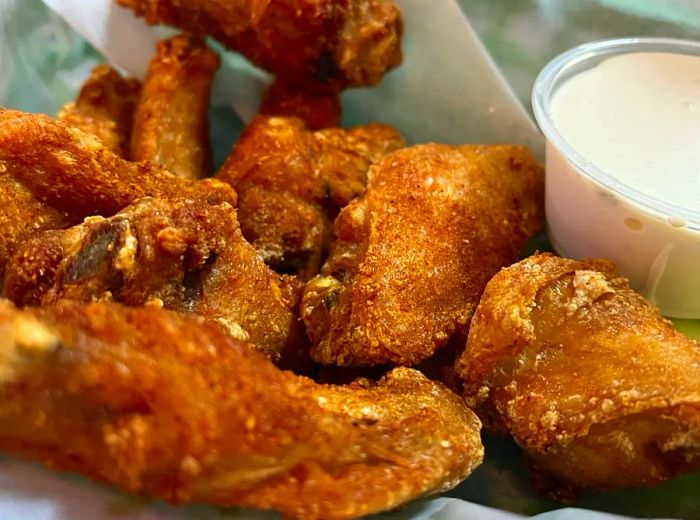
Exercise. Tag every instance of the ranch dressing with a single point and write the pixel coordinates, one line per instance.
(621, 120)
(636, 116)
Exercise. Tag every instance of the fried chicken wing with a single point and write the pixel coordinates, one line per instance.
(291, 183)
(186, 255)
(105, 108)
(348, 42)
(412, 255)
(319, 107)
(598, 389)
(74, 172)
(53, 175)
(168, 406)
(171, 126)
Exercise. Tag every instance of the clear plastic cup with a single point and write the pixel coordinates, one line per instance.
(591, 214)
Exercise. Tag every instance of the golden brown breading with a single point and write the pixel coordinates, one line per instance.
(591, 381)
(348, 42)
(168, 406)
(291, 183)
(345, 156)
(53, 175)
(22, 215)
(271, 167)
(185, 255)
(171, 125)
(105, 108)
(317, 106)
(414, 252)
(72, 171)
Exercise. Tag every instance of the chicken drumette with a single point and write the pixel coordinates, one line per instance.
(598, 389)
(412, 254)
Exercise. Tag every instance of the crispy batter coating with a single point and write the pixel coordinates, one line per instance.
(168, 406)
(414, 252)
(22, 215)
(317, 106)
(185, 255)
(72, 171)
(53, 175)
(292, 182)
(171, 125)
(105, 108)
(591, 381)
(346, 42)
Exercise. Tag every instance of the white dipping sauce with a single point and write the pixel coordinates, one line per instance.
(636, 116)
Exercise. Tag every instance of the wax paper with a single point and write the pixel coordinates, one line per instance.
(449, 89)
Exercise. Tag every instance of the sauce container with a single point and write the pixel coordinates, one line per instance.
(591, 212)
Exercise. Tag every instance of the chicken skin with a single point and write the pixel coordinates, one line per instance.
(183, 254)
(22, 215)
(343, 43)
(596, 387)
(170, 407)
(105, 108)
(171, 125)
(292, 182)
(53, 175)
(412, 254)
(319, 107)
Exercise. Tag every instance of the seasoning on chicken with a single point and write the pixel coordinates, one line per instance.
(170, 407)
(596, 387)
(171, 125)
(183, 254)
(53, 175)
(347, 43)
(105, 108)
(319, 106)
(412, 254)
(292, 182)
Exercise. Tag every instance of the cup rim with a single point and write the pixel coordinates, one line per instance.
(543, 90)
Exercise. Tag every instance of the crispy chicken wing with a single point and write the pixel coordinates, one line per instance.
(591, 381)
(171, 126)
(414, 252)
(168, 406)
(186, 255)
(319, 107)
(347, 42)
(291, 183)
(105, 108)
(53, 175)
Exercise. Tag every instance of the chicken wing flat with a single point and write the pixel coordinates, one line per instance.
(105, 108)
(170, 407)
(53, 175)
(412, 255)
(319, 107)
(171, 126)
(598, 389)
(185, 255)
(351, 42)
(291, 183)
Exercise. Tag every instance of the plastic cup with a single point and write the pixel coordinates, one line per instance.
(592, 214)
